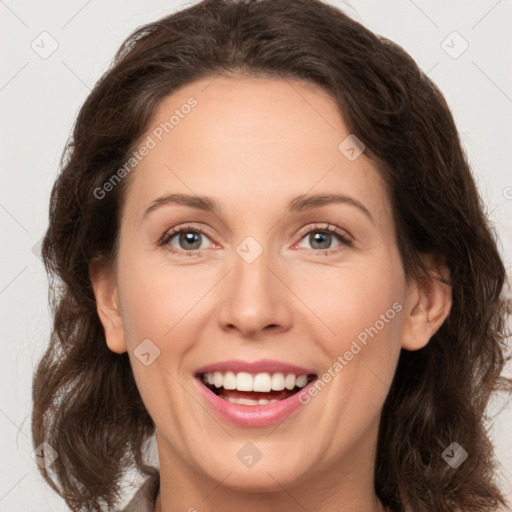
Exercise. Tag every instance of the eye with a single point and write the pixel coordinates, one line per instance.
(190, 240)
(185, 239)
(321, 237)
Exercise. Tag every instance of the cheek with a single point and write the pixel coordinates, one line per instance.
(154, 298)
(362, 309)
(146, 308)
(156, 305)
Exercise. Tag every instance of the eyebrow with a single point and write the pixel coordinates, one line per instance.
(305, 202)
(298, 204)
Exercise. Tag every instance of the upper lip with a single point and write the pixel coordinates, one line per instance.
(255, 367)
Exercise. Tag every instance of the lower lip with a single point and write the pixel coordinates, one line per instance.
(252, 415)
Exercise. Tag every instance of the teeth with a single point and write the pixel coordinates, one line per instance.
(277, 382)
(229, 381)
(218, 379)
(261, 382)
(289, 382)
(248, 401)
(244, 382)
(301, 381)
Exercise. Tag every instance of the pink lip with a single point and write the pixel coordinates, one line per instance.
(254, 367)
(253, 415)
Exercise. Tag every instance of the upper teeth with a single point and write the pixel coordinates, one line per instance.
(261, 382)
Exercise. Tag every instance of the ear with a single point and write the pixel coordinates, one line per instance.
(107, 302)
(428, 304)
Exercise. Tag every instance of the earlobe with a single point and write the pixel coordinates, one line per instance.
(428, 305)
(107, 304)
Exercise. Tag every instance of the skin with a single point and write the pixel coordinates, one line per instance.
(252, 145)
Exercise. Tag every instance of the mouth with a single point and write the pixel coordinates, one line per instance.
(254, 393)
(253, 389)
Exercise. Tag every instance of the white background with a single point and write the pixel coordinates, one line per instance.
(39, 99)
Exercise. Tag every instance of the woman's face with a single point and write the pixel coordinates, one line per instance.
(256, 285)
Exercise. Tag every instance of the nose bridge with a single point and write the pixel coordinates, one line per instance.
(255, 298)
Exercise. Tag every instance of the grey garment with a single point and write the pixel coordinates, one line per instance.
(144, 499)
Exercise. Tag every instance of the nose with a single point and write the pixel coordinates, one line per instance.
(255, 301)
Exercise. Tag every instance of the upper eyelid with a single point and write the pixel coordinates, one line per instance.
(325, 226)
(171, 233)
(343, 234)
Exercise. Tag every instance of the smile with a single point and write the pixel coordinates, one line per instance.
(260, 389)
(243, 394)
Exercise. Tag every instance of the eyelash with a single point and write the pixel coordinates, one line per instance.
(326, 228)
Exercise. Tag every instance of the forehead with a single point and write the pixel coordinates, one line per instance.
(251, 140)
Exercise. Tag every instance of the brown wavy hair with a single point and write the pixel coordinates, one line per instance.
(86, 402)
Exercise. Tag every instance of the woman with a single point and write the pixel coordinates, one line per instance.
(275, 373)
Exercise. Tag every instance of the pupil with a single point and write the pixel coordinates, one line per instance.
(320, 238)
(189, 239)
